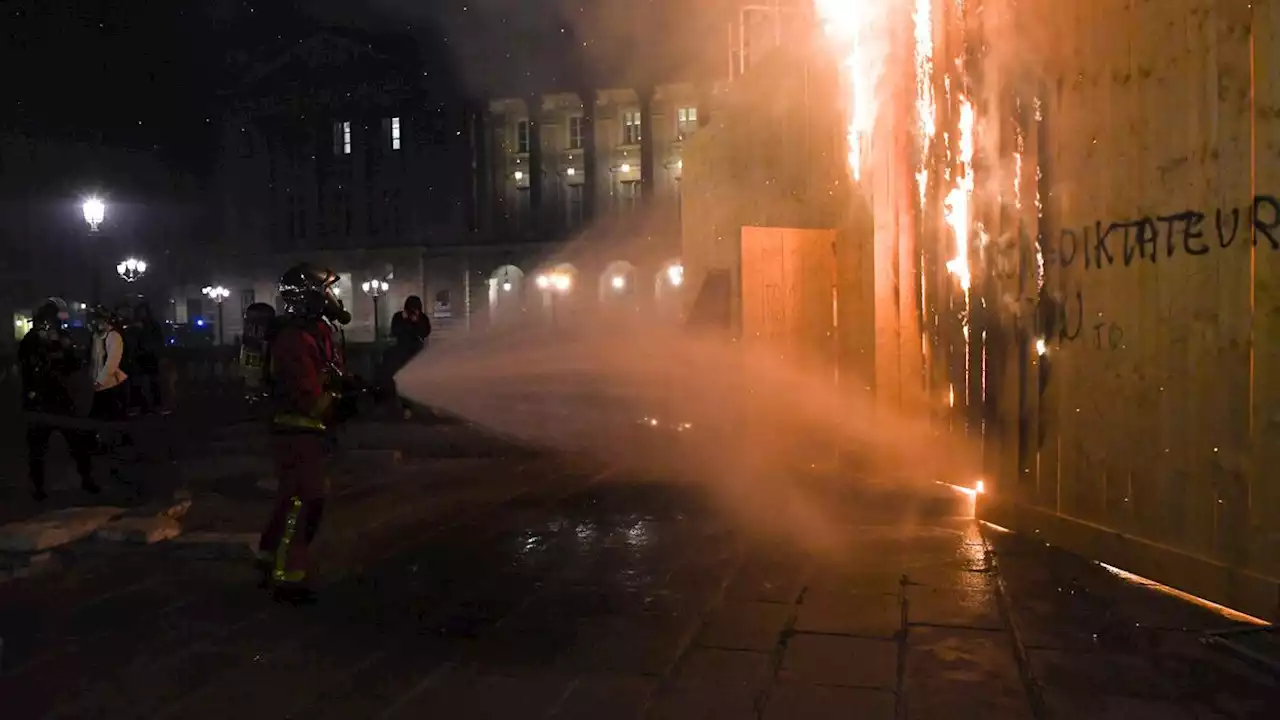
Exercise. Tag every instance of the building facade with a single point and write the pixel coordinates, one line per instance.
(588, 184)
(555, 162)
(338, 149)
(341, 149)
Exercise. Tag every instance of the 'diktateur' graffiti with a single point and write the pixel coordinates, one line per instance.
(1189, 232)
(1059, 316)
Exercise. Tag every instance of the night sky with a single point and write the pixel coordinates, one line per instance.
(147, 75)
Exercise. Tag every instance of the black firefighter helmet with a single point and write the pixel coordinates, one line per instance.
(52, 314)
(308, 291)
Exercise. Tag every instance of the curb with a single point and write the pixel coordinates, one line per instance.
(1032, 686)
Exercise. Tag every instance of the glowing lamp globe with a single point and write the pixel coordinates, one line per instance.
(95, 211)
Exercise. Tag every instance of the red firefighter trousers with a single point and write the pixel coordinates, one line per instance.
(301, 466)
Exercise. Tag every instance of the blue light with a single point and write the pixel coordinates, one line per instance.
(200, 323)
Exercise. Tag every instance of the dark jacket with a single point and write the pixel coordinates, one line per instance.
(48, 365)
(410, 335)
(147, 339)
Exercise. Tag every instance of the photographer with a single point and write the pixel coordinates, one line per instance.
(49, 362)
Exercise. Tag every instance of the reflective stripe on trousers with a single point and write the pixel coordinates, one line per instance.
(295, 519)
(281, 573)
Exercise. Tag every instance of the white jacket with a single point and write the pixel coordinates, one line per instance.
(108, 349)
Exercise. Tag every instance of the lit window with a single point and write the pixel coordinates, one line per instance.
(522, 136)
(631, 128)
(395, 133)
(686, 121)
(342, 138)
(575, 132)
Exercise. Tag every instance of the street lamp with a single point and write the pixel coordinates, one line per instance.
(217, 294)
(95, 211)
(131, 270)
(375, 289)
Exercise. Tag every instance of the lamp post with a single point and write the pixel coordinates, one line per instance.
(217, 294)
(95, 211)
(375, 289)
(131, 270)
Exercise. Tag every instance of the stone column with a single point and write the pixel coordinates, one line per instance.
(499, 142)
(704, 104)
(647, 171)
(481, 170)
(590, 155)
(533, 104)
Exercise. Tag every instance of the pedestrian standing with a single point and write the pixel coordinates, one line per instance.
(49, 362)
(410, 329)
(148, 346)
(110, 401)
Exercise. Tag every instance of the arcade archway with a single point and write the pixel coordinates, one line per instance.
(617, 282)
(506, 294)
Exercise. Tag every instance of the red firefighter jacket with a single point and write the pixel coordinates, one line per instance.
(303, 360)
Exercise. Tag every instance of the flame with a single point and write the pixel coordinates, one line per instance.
(860, 32)
(958, 205)
(922, 19)
(1017, 175)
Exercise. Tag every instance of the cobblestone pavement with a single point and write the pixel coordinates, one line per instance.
(542, 593)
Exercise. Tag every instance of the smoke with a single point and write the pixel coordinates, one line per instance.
(510, 47)
(758, 430)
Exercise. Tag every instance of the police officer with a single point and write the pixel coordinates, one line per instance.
(305, 369)
(49, 363)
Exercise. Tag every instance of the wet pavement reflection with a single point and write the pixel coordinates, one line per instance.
(611, 599)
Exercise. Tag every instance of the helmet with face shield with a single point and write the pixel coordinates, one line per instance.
(309, 291)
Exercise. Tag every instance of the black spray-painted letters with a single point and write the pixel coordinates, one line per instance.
(1189, 232)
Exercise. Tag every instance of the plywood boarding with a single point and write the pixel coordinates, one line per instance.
(788, 286)
(788, 281)
(1150, 415)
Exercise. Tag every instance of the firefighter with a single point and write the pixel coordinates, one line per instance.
(305, 370)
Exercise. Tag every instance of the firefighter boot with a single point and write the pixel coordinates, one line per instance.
(293, 589)
(263, 562)
(289, 578)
